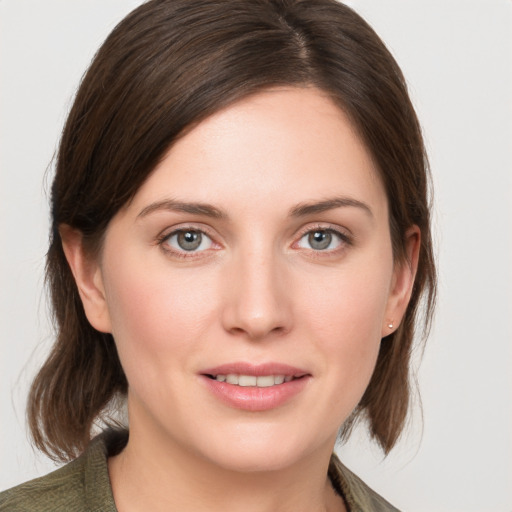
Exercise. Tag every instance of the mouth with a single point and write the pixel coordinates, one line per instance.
(256, 387)
(260, 381)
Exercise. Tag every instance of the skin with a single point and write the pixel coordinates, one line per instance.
(256, 291)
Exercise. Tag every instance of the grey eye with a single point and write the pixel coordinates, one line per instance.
(189, 240)
(320, 240)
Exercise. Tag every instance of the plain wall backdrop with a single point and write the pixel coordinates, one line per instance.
(457, 58)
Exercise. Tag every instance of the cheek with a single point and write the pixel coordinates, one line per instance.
(345, 315)
(350, 305)
(155, 314)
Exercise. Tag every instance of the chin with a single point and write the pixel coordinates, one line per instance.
(261, 449)
(255, 461)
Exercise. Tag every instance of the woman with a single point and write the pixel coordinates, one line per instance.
(240, 246)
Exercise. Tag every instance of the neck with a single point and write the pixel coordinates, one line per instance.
(150, 474)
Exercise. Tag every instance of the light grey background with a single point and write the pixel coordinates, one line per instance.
(457, 57)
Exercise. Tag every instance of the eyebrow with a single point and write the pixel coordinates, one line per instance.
(328, 204)
(179, 206)
(208, 210)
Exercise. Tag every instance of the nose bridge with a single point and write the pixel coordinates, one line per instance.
(257, 303)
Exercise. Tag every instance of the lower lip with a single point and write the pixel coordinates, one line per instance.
(252, 398)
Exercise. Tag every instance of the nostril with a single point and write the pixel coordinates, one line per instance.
(257, 332)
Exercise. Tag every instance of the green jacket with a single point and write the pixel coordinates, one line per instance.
(83, 485)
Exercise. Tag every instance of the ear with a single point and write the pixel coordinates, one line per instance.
(402, 283)
(88, 277)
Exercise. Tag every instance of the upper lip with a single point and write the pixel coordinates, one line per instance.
(257, 370)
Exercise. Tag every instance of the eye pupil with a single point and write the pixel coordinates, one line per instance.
(189, 240)
(320, 240)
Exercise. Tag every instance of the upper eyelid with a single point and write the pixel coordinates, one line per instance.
(169, 231)
(321, 226)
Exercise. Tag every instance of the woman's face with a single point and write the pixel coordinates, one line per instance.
(257, 252)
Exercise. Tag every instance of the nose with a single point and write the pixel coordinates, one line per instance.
(257, 299)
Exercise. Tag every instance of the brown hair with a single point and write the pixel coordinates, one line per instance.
(167, 66)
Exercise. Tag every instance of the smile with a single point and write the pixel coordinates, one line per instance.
(260, 387)
(262, 381)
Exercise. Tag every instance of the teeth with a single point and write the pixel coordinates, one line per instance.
(232, 379)
(264, 381)
(247, 380)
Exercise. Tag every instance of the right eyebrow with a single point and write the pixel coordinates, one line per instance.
(172, 205)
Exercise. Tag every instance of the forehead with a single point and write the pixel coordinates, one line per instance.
(286, 145)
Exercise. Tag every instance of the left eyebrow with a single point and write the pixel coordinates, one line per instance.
(205, 209)
(329, 204)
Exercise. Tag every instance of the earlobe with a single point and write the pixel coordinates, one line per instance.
(87, 273)
(402, 285)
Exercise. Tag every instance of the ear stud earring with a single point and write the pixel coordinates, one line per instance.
(390, 325)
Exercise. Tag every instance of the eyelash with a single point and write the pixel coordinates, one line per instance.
(164, 238)
(345, 240)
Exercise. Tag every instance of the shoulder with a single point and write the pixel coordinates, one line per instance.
(62, 489)
(358, 496)
(82, 485)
